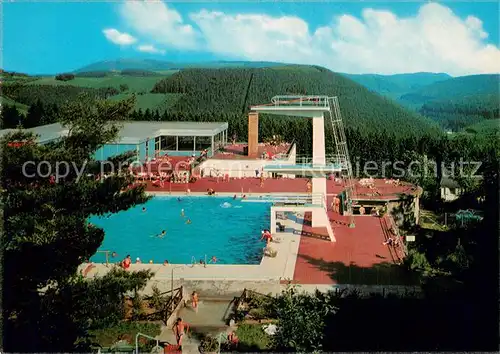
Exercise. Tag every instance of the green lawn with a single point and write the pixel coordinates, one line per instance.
(486, 126)
(135, 84)
(152, 101)
(7, 101)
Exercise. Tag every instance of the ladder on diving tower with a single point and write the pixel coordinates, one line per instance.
(342, 153)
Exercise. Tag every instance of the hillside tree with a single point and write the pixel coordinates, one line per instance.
(46, 230)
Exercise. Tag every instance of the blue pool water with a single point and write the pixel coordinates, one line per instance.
(220, 226)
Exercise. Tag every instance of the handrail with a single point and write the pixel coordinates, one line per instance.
(169, 306)
(295, 199)
(396, 231)
(321, 101)
(144, 335)
(107, 255)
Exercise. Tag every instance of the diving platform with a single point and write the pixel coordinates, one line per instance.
(314, 107)
(320, 211)
(310, 200)
(295, 106)
(314, 203)
(304, 169)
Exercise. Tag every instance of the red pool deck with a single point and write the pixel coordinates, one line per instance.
(357, 257)
(284, 185)
(235, 152)
(235, 185)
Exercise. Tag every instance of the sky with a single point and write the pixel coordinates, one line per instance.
(458, 38)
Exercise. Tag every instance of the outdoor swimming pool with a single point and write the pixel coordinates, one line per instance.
(220, 226)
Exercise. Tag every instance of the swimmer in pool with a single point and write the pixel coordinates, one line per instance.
(182, 212)
(188, 221)
(213, 259)
(143, 209)
(161, 235)
(179, 199)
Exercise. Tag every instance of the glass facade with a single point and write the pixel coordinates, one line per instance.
(173, 145)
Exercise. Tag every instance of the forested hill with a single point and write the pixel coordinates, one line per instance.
(232, 91)
(159, 65)
(455, 88)
(395, 86)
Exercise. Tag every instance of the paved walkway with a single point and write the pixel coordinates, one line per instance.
(381, 190)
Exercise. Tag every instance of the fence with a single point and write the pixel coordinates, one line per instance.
(176, 296)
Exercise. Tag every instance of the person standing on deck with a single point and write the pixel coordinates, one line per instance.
(194, 300)
(309, 186)
(180, 329)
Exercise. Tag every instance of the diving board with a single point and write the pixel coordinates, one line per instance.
(305, 169)
(322, 218)
(295, 106)
(309, 199)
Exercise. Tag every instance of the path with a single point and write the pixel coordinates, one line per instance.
(210, 319)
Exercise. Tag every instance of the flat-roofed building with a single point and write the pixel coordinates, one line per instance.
(149, 138)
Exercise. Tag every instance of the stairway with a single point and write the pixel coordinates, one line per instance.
(210, 319)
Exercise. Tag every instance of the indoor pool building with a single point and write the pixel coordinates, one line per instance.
(146, 138)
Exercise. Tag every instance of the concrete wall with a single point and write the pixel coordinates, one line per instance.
(232, 288)
(216, 288)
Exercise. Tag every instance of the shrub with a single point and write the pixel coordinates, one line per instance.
(127, 331)
(137, 307)
(209, 344)
(156, 301)
(65, 77)
(252, 338)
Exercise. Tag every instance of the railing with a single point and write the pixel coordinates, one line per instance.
(394, 227)
(169, 307)
(390, 230)
(107, 255)
(292, 199)
(300, 101)
(329, 159)
(246, 294)
(195, 262)
(149, 337)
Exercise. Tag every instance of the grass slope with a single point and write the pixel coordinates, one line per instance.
(135, 84)
(7, 101)
(485, 126)
(234, 90)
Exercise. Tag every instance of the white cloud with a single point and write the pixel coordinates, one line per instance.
(117, 37)
(153, 19)
(148, 48)
(434, 39)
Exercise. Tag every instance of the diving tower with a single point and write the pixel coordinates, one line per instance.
(316, 204)
(314, 107)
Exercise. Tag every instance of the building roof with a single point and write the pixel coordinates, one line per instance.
(135, 132)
